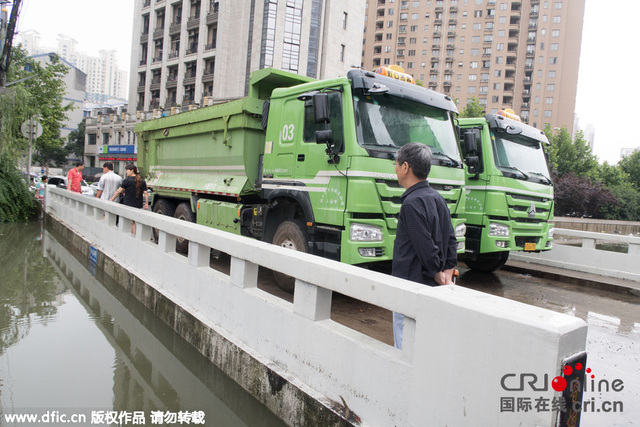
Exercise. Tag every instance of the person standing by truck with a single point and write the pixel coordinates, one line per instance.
(109, 182)
(74, 178)
(135, 191)
(425, 247)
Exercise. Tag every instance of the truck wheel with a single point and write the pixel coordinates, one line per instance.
(289, 235)
(183, 212)
(488, 263)
(162, 207)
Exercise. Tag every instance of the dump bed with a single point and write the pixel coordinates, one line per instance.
(211, 150)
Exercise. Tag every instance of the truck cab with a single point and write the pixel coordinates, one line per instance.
(330, 150)
(509, 191)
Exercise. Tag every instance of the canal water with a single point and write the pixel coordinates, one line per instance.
(75, 346)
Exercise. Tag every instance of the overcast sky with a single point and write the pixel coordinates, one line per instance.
(608, 91)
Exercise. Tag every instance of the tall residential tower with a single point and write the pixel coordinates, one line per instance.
(522, 55)
(187, 52)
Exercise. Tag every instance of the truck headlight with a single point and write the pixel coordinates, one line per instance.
(461, 230)
(498, 230)
(551, 230)
(365, 233)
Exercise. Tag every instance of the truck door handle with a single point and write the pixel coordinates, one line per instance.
(301, 157)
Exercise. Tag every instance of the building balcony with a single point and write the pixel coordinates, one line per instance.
(193, 22)
(143, 62)
(212, 17)
(189, 78)
(175, 28)
(146, 3)
(210, 46)
(172, 81)
(155, 83)
(157, 59)
(158, 33)
(141, 87)
(207, 77)
(173, 54)
(533, 13)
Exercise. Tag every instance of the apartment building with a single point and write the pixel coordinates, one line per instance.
(522, 55)
(189, 52)
(105, 80)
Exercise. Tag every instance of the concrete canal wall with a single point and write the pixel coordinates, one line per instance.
(306, 368)
(598, 225)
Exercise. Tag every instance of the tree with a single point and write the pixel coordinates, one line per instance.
(472, 109)
(631, 166)
(46, 89)
(611, 175)
(568, 156)
(578, 196)
(75, 145)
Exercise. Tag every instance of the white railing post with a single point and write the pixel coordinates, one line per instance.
(311, 301)
(244, 274)
(199, 254)
(588, 243)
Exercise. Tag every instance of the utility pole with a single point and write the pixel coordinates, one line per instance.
(7, 31)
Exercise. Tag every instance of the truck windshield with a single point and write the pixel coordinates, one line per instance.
(386, 123)
(521, 158)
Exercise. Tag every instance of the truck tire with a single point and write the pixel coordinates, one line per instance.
(488, 263)
(183, 212)
(162, 207)
(289, 235)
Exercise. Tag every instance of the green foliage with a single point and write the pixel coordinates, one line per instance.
(631, 166)
(16, 202)
(45, 89)
(568, 156)
(610, 175)
(472, 109)
(76, 140)
(628, 208)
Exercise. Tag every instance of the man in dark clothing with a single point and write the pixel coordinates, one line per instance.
(425, 247)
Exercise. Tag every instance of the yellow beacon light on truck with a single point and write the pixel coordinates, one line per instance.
(396, 72)
(508, 112)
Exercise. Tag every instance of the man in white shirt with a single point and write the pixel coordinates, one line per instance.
(109, 182)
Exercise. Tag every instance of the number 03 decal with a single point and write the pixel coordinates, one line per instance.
(287, 132)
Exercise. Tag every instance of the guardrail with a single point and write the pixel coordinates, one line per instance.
(459, 344)
(577, 250)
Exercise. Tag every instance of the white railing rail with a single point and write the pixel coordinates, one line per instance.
(588, 257)
(459, 343)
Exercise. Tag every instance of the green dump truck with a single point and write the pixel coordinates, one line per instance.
(509, 193)
(303, 163)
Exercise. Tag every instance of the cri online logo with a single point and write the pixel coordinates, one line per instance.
(560, 384)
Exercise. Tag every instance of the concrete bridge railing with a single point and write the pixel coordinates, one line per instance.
(459, 344)
(579, 251)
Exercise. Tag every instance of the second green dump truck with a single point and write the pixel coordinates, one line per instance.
(509, 193)
(303, 163)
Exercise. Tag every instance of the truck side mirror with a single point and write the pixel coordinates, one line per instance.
(324, 137)
(321, 107)
(470, 144)
(472, 163)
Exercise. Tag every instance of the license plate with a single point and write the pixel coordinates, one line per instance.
(529, 246)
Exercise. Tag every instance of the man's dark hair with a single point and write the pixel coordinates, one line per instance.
(108, 165)
(79, 164)
(418, 156)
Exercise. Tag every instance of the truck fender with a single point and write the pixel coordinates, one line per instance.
(283, 205)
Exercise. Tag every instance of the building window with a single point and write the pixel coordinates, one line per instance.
(292, 34)
(269, 34)
(547, 113)
(556, 19)
(473, 77)
(557, 5)
(548, 100)
(342, 47)
(554, 46)
(551, 87)
(344, 20)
